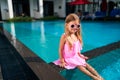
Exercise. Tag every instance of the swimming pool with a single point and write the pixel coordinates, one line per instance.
(43, 39)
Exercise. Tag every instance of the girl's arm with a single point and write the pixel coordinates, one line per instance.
(81, 55)
(61, 46)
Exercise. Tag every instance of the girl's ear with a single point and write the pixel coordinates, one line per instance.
(66, 24)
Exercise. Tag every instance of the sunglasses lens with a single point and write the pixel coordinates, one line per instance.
(72, 26)
(78, 26)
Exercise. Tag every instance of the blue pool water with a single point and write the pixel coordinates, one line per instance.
(43, 39)
(107, 65)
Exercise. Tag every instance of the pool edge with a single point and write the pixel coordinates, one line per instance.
(41, 69)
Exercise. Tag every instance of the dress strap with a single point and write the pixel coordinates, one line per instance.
(64, 34)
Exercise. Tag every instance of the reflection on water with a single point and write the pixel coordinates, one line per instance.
(42, 32)
(13, 34)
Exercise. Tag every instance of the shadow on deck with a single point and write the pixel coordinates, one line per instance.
(12, 66)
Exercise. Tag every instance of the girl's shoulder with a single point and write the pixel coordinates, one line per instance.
(63, 37)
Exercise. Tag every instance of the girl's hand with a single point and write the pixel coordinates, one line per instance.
(85, 57)
(62, 64)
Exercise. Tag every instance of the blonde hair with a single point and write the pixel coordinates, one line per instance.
(69, 18)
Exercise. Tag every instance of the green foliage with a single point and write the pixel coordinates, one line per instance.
(50, 18)
(20, 19)
(26, 19)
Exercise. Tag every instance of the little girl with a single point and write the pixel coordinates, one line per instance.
(70, 46)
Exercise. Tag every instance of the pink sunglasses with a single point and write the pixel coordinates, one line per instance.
(73, 25)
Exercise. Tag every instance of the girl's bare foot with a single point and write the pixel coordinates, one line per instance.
(96, 78)
(100, 78)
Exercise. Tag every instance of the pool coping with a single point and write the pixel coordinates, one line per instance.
(41, 69)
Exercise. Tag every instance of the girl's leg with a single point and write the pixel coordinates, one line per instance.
(84, 70)
(93, 71)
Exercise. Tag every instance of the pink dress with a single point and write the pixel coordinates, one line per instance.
(71, 56)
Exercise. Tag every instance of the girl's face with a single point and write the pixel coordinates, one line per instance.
(73, 26)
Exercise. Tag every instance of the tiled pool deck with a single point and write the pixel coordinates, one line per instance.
(17, 62)
(12, 66)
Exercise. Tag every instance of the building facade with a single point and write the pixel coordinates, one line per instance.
(40, 8)
(32, 8)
